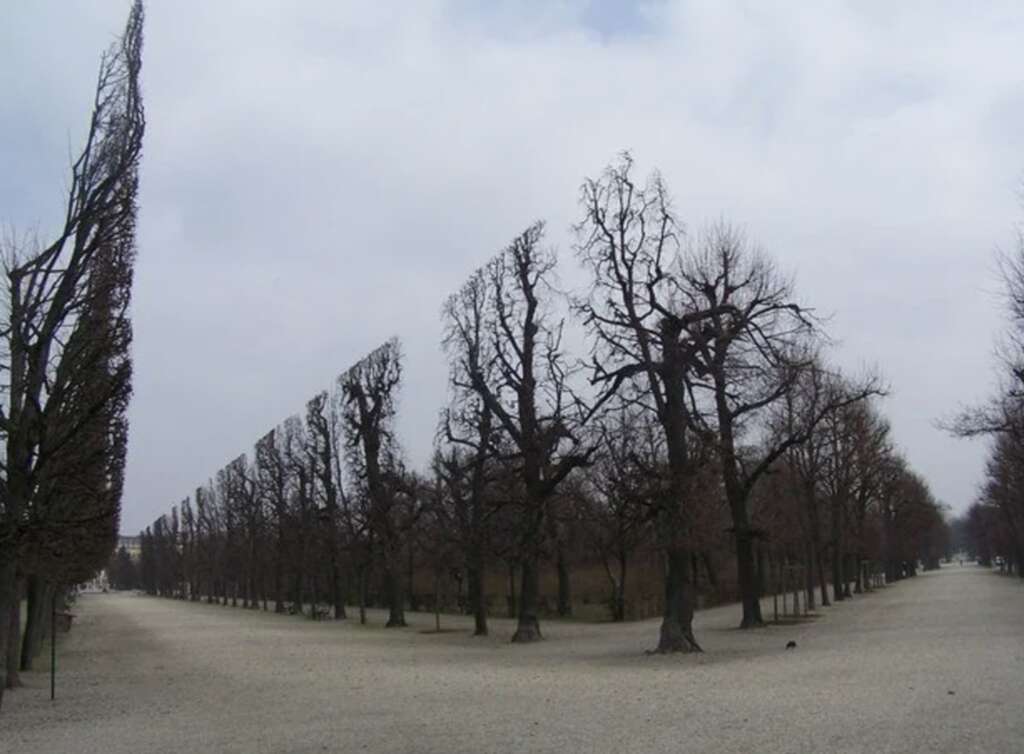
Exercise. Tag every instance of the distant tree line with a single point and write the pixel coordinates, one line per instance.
(992, 529)
(703, 428)
(66, 368)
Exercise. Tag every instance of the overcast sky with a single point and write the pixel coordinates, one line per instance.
(317, 176)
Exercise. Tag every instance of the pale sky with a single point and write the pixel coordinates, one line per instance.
(317, 176)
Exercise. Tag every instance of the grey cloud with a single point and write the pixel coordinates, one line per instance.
(318, 177)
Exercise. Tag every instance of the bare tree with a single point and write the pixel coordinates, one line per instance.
(322, 421)
(642, 339)
(67, 332)
(464, 464)
(506, 343)
(369, 391)
(751, 349)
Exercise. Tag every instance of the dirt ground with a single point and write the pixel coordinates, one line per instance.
(934, 664)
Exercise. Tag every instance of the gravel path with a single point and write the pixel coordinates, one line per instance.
(934, 664)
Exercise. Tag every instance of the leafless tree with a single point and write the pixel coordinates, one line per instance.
(322, 421)
(752, 350)
(643, 339)
(369, 391)
(502, 334)
(67, 366)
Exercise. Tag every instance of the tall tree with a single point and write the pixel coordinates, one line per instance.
(644, 341)
(502, 333)
(68, 369)
(369, 391)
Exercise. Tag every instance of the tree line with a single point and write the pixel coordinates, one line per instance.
(66, 368)
(992, 529)
(681, 405)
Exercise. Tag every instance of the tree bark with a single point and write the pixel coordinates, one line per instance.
(396, 597)
(528, 625)
(676, 633)
(35, 619)
(7, 597)
(809, 575)
(748, 580)
(476, 599)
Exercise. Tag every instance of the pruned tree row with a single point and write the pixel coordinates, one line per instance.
(701, 444)
(67, 369)
(321, 504)
(992, 529)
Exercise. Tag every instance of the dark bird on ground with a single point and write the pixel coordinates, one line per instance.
(791, 645)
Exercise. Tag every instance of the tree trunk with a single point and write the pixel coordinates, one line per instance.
(395, 594)
(35, 619)
(513, 603)
(677, 622)
(822, 580)
(337, 588)
(838, 590)
(748, 580)
(476, 600)
(528, 626)
(8, 595)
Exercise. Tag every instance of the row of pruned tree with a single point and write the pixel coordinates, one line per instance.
(323, 499)
(993, 527)
(67, 369)
(704, 425)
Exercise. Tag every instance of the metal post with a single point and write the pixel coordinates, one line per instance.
(53, 647)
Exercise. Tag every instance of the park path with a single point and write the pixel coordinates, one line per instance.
(932, 664)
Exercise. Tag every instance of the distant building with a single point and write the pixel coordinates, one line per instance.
(132, 544)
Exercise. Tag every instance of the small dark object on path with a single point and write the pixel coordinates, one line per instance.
(951, 693)
(791, 645)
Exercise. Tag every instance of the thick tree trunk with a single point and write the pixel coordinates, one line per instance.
(476, 600)
(395, 593)
(35, 618)
(528, 625)
(337, 588)
(513, 603)
(677, 622)
(838, 590)
(8, 596)
(748, 581)
(822, 580)
(847, 577)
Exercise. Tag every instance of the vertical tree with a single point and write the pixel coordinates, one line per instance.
(502, 333)
(64, 300)
(369, 391)
(322, 421)
(642, 339)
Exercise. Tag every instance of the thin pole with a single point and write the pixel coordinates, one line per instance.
(53, 647)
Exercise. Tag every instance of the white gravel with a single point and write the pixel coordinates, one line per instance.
(875, 674)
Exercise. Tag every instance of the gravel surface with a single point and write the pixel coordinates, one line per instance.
(934, 664)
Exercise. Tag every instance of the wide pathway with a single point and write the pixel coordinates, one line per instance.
(933, 664)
